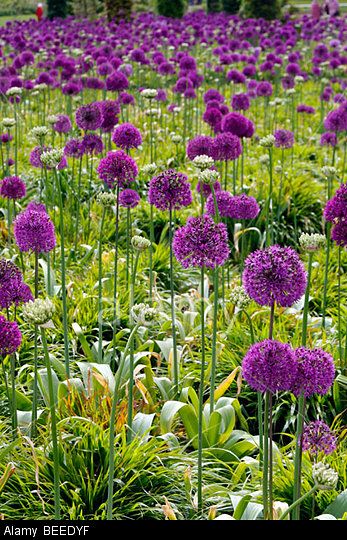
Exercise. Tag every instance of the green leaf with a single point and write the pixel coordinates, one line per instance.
(142, 424)
(212, 432)
(66, 387)
(168, 413)
(241, 507)
(339, 506)
(42, 380)
(86, 349)
(53, 289)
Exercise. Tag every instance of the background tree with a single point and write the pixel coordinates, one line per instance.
(57, 8)
(171, 8)
(266, 9)
(213, 6)
(231, 6)
(118, 9)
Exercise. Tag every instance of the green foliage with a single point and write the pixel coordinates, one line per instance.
(118, 9)
(231, 6)
(213, 6)
(256, 9)
(57, 8)
(171, 8)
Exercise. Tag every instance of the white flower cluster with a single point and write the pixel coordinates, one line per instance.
(144, 314)
(329, 172)
(53, 157)
(38, 311)
(203, 162)
(140, 243)
(14, 91)
(324, 476)
(52, 119)
(149, 93)
(149, 169)
(8, 122)
(239, 297)
(267, 141)
(106, 198)
(39, 132)
(312, 242)
(177, 139)
(208, 176)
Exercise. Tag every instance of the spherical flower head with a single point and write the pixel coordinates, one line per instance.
(52, 158)
(144, 315)
(209, 177)
(316, 372)
(226, 147)
(283, 138)
(110, 109)
(328, 139)
(9, 272)
(139, 243)
(92, 144)
(88, 117)
(39, 311)
(107, 198)
(318, 437)
(267, 142)
(203, 162)
(312, 242)
(10, 337)
(274, 274)
(117, 81)
(240, 102)
(117, 168)
(335, 210)
(38, 151)
(206, 187)
(169, 190)
(269, 366)
(201, 145)
(8, 122)
(324, 476)
(336, 120)
(127, 136)
(237, 124)
(339, 233)
(244, 207)
(12, 187)
(63, 124)
(223, 200)
(239, 297)
(201, 242)
(264, 89)
(329, 172)
(129, 198)
(149, 93)
(39, 133)
(14, 292)
(34, 230)
(149, 169)
(74, 148)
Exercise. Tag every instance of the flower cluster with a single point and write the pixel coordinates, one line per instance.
(169, 190)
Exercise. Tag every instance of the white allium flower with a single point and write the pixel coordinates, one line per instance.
(312, 242)
(324, 476)
(14, 91)
(203, 162)
(267, 141)
(290, 92)
(149, 93)
(140, 243)
(239, 297)
(52, 119)
(176, 138)
(38, 132)
(107, 198)
(38, 311)
(41, 86)
(152, 112)
(53, 157)
(150, 168)
(208, 176)
(8, 122)
(329, 172)
(264, 159)
(144, 314)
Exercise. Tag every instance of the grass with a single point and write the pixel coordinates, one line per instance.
(5, 18)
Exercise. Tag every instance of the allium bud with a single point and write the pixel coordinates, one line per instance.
(40, 86)
(8, 122)
(152, 112)
(143, 314)
(208, 176)
(203, 162)
(239, 297)
(149, 169)
(324, 476)
(107, 198)
(176, 138)
(140, 243)
(52, 158)
(264, 159)
(52, 119)
(14, 91)
(39, 132)
(268, 141)
(38, 311)
(149, 93)
(312, 242)
(329, 172)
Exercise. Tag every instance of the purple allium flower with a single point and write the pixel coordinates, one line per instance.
(243, 207)
(169, 190)
(35, 157)
(201, 145)
(34, 230)
(117, 168)
(201, 242)
(223, 200)
(63, 124)
(89, 117)
(126, 99)
(316, 372)
(213, 94)
(10, 337)
(336, 208)
(328, 139)
(270, 366)
(129, 198)
(264, 89)
(318, 437)
(339, 234)
(284, 138)
(92, 144)
(213, 117)
(306, 109)
(226, 147)
(237, 124)
(127, 136)
(336, 120)
(110, 110)
(206, 188)
(74, 148)
(14, 292)
(6, 138)
(240, 102)
(274, 274)
(12, 187)
(117, 82)
(9, 272)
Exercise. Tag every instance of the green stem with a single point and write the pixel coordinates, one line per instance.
(151, 237)
(307, 300)
(78, 202)
(173, 314)
(298, 501)
(115, 276)
(266, 458)
(14, 400)
(201, 391)
(100, 318)
(339, 303)
(326, 274)
(53, 427)
(131, 363)
(214, 338)
(127, 248)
